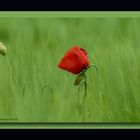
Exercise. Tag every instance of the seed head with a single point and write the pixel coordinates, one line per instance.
(3, 49)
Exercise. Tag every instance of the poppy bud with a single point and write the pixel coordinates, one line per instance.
(3, 49)
(75, 60)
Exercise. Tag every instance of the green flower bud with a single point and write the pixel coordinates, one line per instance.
(3, 49)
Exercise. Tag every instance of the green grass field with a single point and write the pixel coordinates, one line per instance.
(34, 89)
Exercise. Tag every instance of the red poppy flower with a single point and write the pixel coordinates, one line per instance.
(75, 60)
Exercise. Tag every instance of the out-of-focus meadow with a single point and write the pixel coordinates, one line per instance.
(34, 89)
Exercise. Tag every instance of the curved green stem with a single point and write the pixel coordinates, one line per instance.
(101, 86)
(85, 93)
(93, 65)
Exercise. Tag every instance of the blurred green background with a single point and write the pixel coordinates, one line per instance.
(34, 89)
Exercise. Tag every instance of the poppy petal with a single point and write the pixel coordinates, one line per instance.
(75, 60)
